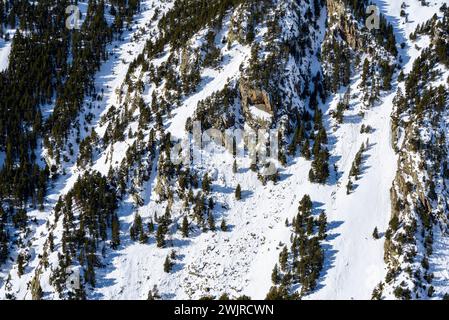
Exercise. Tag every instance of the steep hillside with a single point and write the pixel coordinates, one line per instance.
(191, 149)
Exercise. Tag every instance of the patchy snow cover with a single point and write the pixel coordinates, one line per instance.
(240, 261)
(108, 79)
(258, 113)
(212, 81)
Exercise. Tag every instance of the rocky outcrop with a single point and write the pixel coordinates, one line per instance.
(348, 29)
(255, 97)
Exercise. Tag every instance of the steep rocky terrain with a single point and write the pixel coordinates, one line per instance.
(280, 149)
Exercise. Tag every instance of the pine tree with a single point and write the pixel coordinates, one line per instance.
(143, 238)
(322, 226)
(238, 192)
(376, 234)
(137, 232)
(305, 206)
(89, 274)
(275, 276)
(283, 257)
(168, 265)
(349, 187)
(211, 221)
(211, 204)
(234, 167)
(80, 293)
(365, 72)
(160, 236)
(306, 150)
(151, 226)
(20, 265)
(223, 225)
(4, 244)
(36, 289)
(115, 232)
(185, 227)
(206, 184)
(51, 244)
(224, 296)
(377, 292)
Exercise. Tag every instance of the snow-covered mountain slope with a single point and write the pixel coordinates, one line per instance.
(121, 219)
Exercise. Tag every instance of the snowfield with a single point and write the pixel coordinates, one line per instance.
(241, 260)
(5, 49)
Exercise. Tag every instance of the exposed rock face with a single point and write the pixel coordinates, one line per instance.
(335, 7)
(255, 97)
(348, 30)
(259, 99)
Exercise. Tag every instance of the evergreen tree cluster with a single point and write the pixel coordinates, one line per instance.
(339, 57)
(319, 172)
(48, 63)
(410, 234)
(187, 17)
(302, 264)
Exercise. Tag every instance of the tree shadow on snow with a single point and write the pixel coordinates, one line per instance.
(329, 253)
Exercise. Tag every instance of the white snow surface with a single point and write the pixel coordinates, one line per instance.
(241, 261)
(5, 49)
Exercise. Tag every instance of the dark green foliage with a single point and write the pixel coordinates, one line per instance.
(211, 221)
(223, 225)
(356, 165)
(275, 276)
(376, 235)
(36, 289)
(160, 236)
(206, 184)
(20, 265)
(303, 264)
(187, 17)
(320, 168)
(234, 167)
(377, 292)
(279, 293)
(283, 258)
(339, 56)
(185, 227)
(115, 229)
(4, 238)
(153, 294)
(50, 65)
